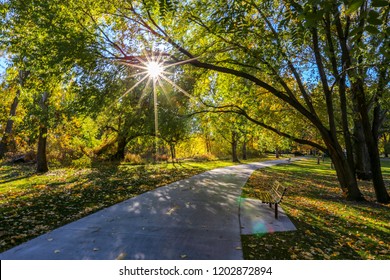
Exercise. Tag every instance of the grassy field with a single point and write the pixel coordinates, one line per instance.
(32, 204)
(328, 227)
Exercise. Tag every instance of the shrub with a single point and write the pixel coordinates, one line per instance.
(133, 159)
(205, 157)
(83, 162)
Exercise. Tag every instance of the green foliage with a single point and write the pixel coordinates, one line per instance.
(83, 162)
(353, 6)
(380, 3)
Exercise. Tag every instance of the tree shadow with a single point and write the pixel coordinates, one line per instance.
(307, 242)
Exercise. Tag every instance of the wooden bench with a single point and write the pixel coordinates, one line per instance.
(273, 196)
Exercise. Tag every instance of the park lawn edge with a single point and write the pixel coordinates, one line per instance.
(328, 226)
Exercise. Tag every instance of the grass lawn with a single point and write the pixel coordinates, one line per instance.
(328, 227)
(32, 204)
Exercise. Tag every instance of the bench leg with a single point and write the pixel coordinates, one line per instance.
(270, 205)
(276, 211)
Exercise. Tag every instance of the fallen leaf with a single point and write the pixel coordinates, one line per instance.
(121, 256)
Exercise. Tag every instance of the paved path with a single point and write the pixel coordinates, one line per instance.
(195, 218)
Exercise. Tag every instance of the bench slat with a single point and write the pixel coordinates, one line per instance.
(273, 196)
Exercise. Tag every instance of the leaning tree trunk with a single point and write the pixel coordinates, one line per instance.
(344, 171)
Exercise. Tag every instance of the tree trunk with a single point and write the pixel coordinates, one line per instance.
(372, 145)
(346, 178)
(244, 150)
(8, 129)
(386, 145)
(41, 155)
(344, 171)
(344, 120)
(173, 152)
(208, 144)
(380, 189)
(362, 158)
(277, 155)
(42, 166)
(120, 151)
(234, 147)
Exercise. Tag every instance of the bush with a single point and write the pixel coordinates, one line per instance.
(162, 158)
(83, 162)
(205, 157)
(133, 159)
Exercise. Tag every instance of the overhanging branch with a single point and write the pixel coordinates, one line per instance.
(237, 110)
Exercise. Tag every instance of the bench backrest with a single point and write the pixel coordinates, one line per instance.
(277, 192)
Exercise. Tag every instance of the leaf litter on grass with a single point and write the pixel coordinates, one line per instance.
(32, 204)
(328, 227)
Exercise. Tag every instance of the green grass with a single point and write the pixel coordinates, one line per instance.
(32, 204)
(328, 227)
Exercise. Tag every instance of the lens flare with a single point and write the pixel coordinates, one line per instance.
(154, 69)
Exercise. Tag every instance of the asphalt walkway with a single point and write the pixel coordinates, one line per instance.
(201, 217)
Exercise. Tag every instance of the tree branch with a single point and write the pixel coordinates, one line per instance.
(327, 92)
(237, 110)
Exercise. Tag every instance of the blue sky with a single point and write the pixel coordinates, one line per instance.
(3, 66)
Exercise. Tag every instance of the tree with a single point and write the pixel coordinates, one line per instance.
(174, 126)
(276, 44)
(22, 76)
(52, 38)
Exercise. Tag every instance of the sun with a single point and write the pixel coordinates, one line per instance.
(154, 69)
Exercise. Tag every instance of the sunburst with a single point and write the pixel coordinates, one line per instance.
(153, 69)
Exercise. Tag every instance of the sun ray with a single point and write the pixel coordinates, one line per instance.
(177, 87)
(183, 62)
(133, 65)
(161, 85)
(144, 92)
(138, 74)
(133, 87)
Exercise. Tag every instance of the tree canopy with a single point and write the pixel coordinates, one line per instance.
(310, 72)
